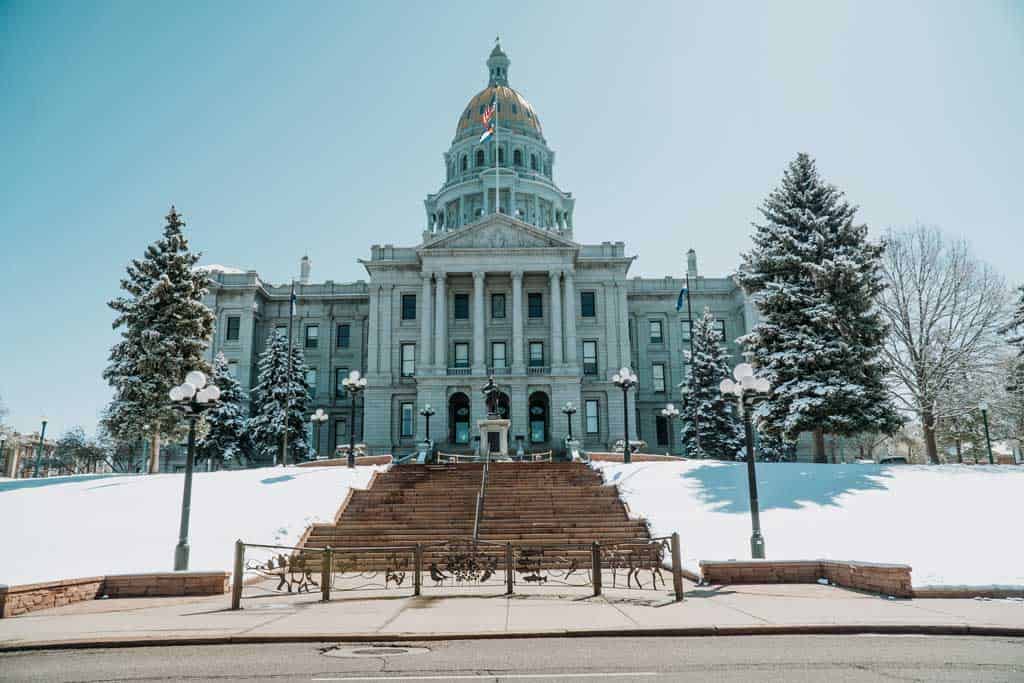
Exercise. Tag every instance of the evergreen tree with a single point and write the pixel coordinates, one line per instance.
(280, 399)
(711, 427)
(1016, 326)
(165, 328)
(815, 277)
(227, 433)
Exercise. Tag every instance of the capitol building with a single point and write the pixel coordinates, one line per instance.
(498, 284)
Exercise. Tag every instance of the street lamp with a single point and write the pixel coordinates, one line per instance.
(569, 410)
(670, 413)
(353, 385)
(192, 398)
(983, 407)
(625, 380)
(427, 412)
(39, 448)
(745, 385)
(318, 418)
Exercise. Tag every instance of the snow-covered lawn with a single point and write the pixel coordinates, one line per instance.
(89, 525)
(953, 524)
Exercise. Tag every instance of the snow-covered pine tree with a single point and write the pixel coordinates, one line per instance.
(276, 396)
(1016, 326)
(716, 432)
(227, 433)
(165, 328)
(815, 277)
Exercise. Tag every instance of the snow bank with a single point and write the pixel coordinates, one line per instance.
(218, 268)
(954, 524)
(88, 525)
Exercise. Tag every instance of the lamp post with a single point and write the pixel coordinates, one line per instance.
(569, 410)
(317, 419)
(427, 412)
(145, 445)
(746, 384)
(353, 384)
(7, 466)
(625, 380)
(983, 407)
(670, 413)
(192, 398)
(39, 448)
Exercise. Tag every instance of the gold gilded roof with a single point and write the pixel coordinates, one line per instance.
(513, 112)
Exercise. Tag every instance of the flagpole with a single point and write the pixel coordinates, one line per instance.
(287, 395)
(497, 151)
(689, 318)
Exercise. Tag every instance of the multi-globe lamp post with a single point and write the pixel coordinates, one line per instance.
(192, 398)
(983, 407)
(39, 448)
(670, 413)
(354, 384)
(746, 389)
(317, 419)
(625, 380)
(427, 412)
(569, 409)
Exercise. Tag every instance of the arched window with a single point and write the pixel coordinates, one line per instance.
(465, 162)
(479, 157)
(501, 156)
(533, 162)
(538, 407)
(515, 109)
(458, 418)
(504, 406)
(517, 158)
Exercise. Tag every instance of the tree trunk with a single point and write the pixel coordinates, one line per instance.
(959, 452)
(154, 454)
(931, 447)
(819, 446)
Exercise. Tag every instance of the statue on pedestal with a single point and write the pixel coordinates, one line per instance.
(490, 392)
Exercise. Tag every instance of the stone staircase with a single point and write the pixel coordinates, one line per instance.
(525, 503)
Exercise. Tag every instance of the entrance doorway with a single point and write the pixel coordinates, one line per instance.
(458, 418)
(539, 417)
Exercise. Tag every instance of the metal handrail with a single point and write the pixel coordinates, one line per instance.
(480, 497)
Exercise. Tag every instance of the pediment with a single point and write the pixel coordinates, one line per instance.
(499, 232)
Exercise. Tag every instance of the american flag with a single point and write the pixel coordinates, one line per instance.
(487, 118)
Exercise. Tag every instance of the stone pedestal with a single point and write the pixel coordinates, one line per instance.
(494, 436)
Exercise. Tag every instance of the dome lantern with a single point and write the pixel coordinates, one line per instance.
(497, 64)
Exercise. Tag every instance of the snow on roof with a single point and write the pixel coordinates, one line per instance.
(218, 268)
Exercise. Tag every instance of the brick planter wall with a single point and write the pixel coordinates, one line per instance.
(15, 600)
(637, 457)
(887, 579)
(343, 462)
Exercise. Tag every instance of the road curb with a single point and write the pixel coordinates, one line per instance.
(687, 632)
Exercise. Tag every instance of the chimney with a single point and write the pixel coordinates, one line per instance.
(691, 264)
(304, 270)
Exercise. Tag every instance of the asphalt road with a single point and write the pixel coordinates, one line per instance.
(763, 658)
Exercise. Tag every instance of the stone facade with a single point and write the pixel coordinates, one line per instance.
(490, 288)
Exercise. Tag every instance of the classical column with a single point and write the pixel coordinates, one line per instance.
(462, 217)
(479, 367)
(385, 320)
(624, 353)
(487, 203)
(570, 320)
(372, 343)
(426, 323)
(518, 366)
(441, 324)
(554, 278)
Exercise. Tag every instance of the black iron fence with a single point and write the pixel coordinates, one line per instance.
(641, 564)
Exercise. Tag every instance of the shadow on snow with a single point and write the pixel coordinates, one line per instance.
(17, 484)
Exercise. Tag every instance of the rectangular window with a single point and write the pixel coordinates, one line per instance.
(686, 330)
(536, 354)
(658, 375)
(340, 433)
(408, 307)
(408, 423)
(535, 303)
(588, 306)
(233, 368)
(661, 427)
(720, 326)
(656, 336)
(497, 306)
(498, 355)
(344, 336)
(234, 325)
(312, 336)
(311, 381)
(461, 355)
(408, 360)
(339, 376)
(590, 358)
(593, 421)
(462, 306)
(281, 331)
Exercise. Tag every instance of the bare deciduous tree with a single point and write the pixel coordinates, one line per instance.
(945, 310)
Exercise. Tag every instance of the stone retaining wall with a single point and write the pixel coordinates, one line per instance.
(887, 579)
(15, 600)
(343, 462)
(637, 457)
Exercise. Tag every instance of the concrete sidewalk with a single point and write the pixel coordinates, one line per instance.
(484, 612)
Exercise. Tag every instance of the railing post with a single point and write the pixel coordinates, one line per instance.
(595, 563)
(236, 575)
(677, 567)
(326, 572)
(417, 579)
(509, 569)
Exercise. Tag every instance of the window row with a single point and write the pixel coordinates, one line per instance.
(534, 305)
(311, 336)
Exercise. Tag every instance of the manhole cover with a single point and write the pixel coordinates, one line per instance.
(374, 651)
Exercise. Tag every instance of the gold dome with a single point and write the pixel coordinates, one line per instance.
(513, 112)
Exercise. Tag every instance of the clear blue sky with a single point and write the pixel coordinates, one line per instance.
(281, 128)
